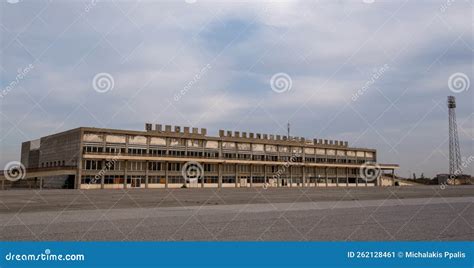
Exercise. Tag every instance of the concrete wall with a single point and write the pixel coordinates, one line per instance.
(61, 147)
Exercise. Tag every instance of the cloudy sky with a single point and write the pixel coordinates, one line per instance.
(374, 73)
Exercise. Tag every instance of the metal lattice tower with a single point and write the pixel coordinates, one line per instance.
(454, 151)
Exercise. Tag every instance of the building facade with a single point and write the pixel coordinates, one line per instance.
(175, 157)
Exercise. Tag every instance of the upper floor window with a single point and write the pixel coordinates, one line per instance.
(93, 149)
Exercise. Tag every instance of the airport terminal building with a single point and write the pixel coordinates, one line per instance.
(178, 157)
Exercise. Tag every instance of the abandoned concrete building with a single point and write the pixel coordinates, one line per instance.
(95, 158)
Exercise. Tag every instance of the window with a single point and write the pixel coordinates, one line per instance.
(194, 154)
(210, 167)
(174, 166)
(93, 164)
(258, 179)
(244, 156)
(258, 157)
(228, 168)
(136, 166)
(115, 150)
(211, 154)
(113, 179)
(272, 158)
(156, 179)
(156, 152)
(177, 153)
(92, 149)
(243, 168)
(229, 155)
(154, 166)
(228, 179)
(137, 151)
(211, 179)
(90, 180)
(176, 179)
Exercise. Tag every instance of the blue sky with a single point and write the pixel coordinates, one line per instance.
(329, 49)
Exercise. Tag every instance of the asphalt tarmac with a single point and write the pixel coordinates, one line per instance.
(296, 214)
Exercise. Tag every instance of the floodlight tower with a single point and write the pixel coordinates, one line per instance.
(454, 151)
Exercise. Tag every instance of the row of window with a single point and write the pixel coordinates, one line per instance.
(154, 151)
(54, 164)
(141, 180)
(226, 168)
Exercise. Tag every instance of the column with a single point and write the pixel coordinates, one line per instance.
(102, 175)
(291, 175)
(265, 181)
(236, 176)
(315, 175)
(251, 177)
(125, 175)
(166, 174)
(303, 175)
(357, 178)
(219, 170)
(203, 176)
(393, 177)
(77, 181)
(347, 177)
(146, 174)
(337, 178)
(326, 175)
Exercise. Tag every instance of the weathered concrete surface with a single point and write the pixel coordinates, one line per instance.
(398, 213)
